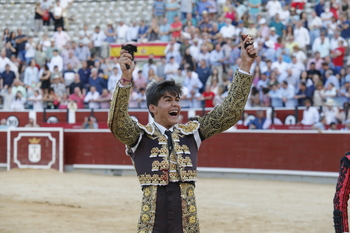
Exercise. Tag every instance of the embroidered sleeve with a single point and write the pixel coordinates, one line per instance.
(223, 116)
(341, 197)
(119, 121)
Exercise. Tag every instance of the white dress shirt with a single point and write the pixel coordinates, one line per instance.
(302, 36)
(92, 96)
(56, 61)
(310, 116)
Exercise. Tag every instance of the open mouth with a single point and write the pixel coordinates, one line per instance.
(174, 113)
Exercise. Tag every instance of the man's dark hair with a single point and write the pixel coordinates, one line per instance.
(156, 91)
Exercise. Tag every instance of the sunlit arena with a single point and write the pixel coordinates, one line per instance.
(174, 116)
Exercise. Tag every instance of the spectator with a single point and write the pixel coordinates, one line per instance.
(315, 27)
(7, 97)
(98, 37)
(82, 52)
(38, 18)
(72, 60)
(113, 79)
(40, 55)
(344, 93)
(84, 73)
(58, 15)
(310, 114)
(331, 111)
(68, 75)
(216, 60)
(85, 35)
(92, 97)
(254, 97)
(320, 125)
(299, 54)
(302, 35)
(330, 91)
(164, 31)
(59, 89)
(161, 68)
(203, 71)
(105, 99)
(287, 93)
(18, 87)
(258, 122)
(31, 124)
(330, 78)
(31, 75)
(338, 57)
(208, 97)
(278, 25)
(89, 123)
(143, 32)
(172, 9)
(193, 83)
(344, 27)
(317, 60)
(78, 97)
(303, 94)
(133, 99)
(175, 27)
(61, 38)
(268, 121)
(335, 41)
(347, 125)
(132, 32)
(275, 95)
(7, 77)
(147, 66)
(254, 8)
(228, 30)
(96, 81)
(171, 68)
(45, 80)
(322, 46)
(110, 32)
(319, 8)
(37, 100)
(140, 81)
(21, 41)
(153, 31)
(56, 60)
(122, 30)
(159, 10)
(18, 102)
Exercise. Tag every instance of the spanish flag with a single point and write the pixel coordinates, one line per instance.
(143, 50)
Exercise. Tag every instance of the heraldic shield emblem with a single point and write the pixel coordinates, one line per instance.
(34, 150)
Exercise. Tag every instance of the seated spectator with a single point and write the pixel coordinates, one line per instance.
(82, 52)
(37, 100)
(319, 96)
(287, 93)
(105, 99)
(171, 68)
(3, 124)
(113, 79)
(149, 65)
(140, 81)
(344, 93)
(63, 101)
(18, 102)
(58, 87)
(208, 97)
(303, 93)
(68, 75)
(258, 122)
(72, 60)
(347, 125)
(320, 125)
(143, 31)
(96, 81)
(77, 83)
(56, 60)
(275, 95)
(7, 77)
(330, 92)
(133, 99)
(338, 57)
(268, 122)
(31, 123)
(330, 111)
(142, 98)
(254, 97)
(31, 75)
(310, 114)
(175, 28)
(7, 97)
(78, 97)
(153, 31)
(89, 123)
(51, 99)
(61, 38)
(92, 97)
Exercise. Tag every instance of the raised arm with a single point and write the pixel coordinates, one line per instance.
(119, 121)
(341, 197)
(224, 116)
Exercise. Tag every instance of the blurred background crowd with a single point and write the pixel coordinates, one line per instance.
(303, 58)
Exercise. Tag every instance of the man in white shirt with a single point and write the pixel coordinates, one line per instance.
(121, 32)
(280, 65)
(192, 82)
(56, 60)
(296, 66)
(85, 35)
(310, 114)
(171, 68)
(91, 98)
(195, 50)
(3, 61)
(228, 30)
(113, 79)
(132, 32)
(301, 35)
(204, 55)
(288, 92)
(336, 38)
(216, 60)
(98, 37)
(315, 27)
(61, 38)
(186, 6)
(273, 7)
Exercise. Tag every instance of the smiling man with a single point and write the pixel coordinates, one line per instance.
(164, 153)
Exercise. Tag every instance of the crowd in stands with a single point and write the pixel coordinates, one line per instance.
(302, 55)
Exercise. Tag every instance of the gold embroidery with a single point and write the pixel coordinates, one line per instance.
(154, 152)
(162, 140)
(155, 165)
(188, 128)
(178, 149)
(148, 210)
(176, 137)
(190, 222)
(186, 149)
(163, 152)
(223, 116)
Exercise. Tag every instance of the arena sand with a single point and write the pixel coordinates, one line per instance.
(49, 201)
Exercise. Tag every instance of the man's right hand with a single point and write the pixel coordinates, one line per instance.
(125, 59)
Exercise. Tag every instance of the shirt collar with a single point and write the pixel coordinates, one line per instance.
(162, 129)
